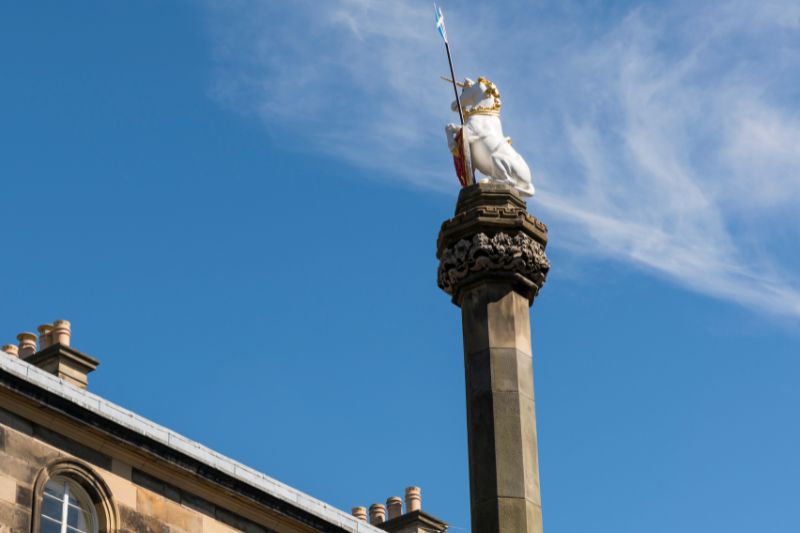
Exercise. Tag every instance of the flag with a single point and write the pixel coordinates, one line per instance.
(440, 22)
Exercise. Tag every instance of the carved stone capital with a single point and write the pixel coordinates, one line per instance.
(518, 259)
(492, 237)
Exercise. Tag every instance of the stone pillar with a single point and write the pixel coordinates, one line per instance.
(492, 262)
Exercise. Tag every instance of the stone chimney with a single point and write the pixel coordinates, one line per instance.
(413, 520)
(55, 354)
(413, 499)
(394, 506)
(45, 336)
(61, 332)
(360, 513)
(377, 514)
(492, 263)
(27, 344)
(11, 349)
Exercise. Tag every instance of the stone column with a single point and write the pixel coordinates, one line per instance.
(492, 262)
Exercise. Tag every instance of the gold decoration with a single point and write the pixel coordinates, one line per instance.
(490, 91)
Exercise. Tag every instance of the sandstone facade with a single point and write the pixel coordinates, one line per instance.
(139, 477)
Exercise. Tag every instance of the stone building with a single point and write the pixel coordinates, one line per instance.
(72, 462)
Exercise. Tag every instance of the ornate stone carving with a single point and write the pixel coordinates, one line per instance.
(492, 237)
(485, 255)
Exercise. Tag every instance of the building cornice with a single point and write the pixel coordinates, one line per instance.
(182, 455)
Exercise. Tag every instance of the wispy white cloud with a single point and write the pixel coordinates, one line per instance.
(664, 136)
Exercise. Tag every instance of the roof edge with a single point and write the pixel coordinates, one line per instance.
(178, 443)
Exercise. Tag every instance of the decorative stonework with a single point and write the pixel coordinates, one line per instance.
(508, 216)
(82, 474)
(519, 254)
(492, 237)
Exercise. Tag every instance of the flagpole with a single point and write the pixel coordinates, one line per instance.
(470, 177)
(453, 79)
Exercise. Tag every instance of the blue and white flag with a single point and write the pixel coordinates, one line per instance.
(440, 22)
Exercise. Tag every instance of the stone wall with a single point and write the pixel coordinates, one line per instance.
(144, 503)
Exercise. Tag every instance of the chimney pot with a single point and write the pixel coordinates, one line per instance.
(27, 344)
(62, 331)
(55, 354)
(360, 513)
(395, 506)
(45, 335)
(413, 499)
(377, 513)
(11, 349)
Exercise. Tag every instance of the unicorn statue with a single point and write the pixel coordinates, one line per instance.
(480, 144)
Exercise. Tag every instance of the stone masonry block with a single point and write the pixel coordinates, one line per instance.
(169, 512)
(24, 496)
(212, 526)
(513, 515)
(29, 450)
(499, 370)
(24, 473)
(17, 520)
(494, 316)
(14, 422)
(124, 490)
(8, 489)
(515, 435)
(134, 522)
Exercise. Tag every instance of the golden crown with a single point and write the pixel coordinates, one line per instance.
(491, 91)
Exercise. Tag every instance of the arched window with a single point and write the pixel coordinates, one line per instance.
(70, 498)
(66, 508)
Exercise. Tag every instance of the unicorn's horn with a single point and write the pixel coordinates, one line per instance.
(448, 80)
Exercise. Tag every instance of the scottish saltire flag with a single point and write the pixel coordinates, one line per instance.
(440, 22)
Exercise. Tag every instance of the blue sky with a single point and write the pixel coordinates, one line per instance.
(236, 204)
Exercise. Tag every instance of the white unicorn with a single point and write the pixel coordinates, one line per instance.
(491, 152)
